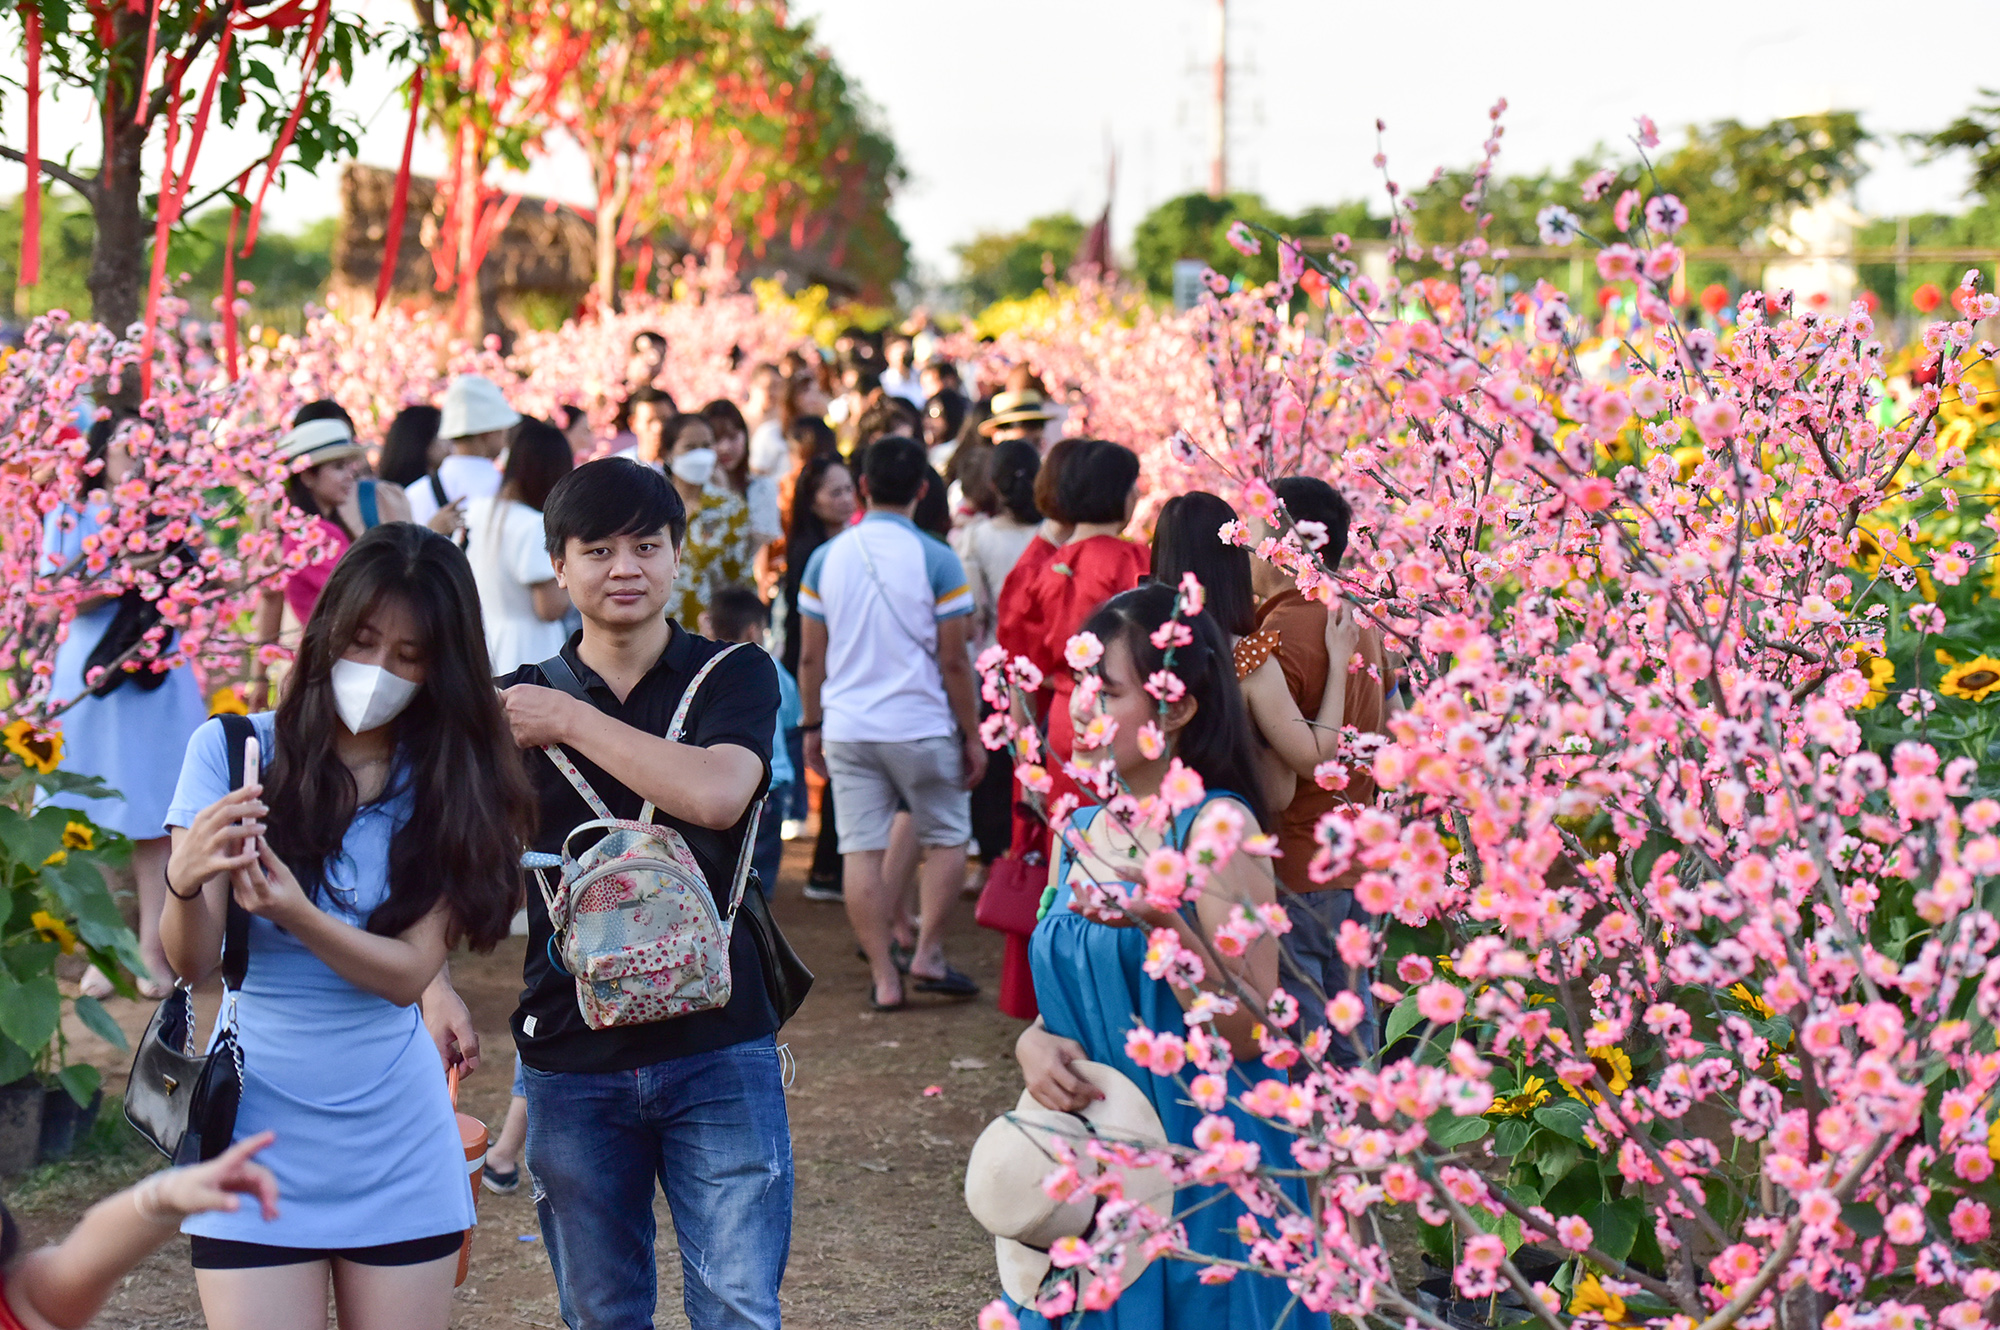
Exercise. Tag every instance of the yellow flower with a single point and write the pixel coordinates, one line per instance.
(59, 857)
(1974, 681)
(36, 749)
(226, 701)
(1532, 1096)
(1880, 672)
(1993, 1140)
(79, 836)
(1743, 994)
(1592, 1299)
(1614, 1069)
(54, 930)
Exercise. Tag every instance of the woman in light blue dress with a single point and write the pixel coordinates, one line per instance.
(382, 820)
(1087, 961)
(131, 737)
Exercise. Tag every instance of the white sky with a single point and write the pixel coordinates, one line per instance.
(1004, 112)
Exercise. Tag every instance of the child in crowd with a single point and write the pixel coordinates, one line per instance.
(737, 615)
(64, 1283)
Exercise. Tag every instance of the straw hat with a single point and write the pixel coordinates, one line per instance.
(317, 441)
(1003, 1179)
(474, 404)
(1021, 408)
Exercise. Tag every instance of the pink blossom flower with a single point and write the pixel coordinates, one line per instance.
(1083, 651)
(1440, 1002)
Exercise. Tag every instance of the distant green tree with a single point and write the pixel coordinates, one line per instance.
(1976, 132)
(1195, 226)
(287, 270)
(1007, 265)
(1977, 228)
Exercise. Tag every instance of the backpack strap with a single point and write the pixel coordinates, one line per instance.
(741, 876)
(558, 675)
(687, 698)
(371, 514)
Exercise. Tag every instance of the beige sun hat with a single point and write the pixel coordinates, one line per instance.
(474, 404)
(1003, 1178)
(1021, 408)
(317, 441)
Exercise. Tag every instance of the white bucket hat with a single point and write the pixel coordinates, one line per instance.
(317, 441)
(474, 404)
(1003, 1178)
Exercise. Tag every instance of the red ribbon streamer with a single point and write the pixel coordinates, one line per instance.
(152, 48)
(291, 124)
(229, 283)
(399, 202)
(162, 224)
(31, 198)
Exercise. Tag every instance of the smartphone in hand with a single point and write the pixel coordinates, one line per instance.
(253, 773)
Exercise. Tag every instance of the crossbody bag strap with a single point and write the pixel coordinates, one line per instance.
(558, 675)
(868, 561)
(236, 731)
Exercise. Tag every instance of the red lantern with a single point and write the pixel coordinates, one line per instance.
(1818, 299)
(1714, 299)
(1925, 373)
(1607, 296)
(1870, 301)
(1926, 297)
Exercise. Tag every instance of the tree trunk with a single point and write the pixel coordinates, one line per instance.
(607, 261)
(118, 255)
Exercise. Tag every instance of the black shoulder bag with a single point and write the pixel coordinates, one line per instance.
(136, 617)
(181, 1101)
(786, 978)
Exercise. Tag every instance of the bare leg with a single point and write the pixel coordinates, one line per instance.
(870, 906)
(149, 866)
(506, 1151)
(899, 871)
(944, 874)
(278, 1297)
(394, 1297)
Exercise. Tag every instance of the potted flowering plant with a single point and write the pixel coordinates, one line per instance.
(57, 903)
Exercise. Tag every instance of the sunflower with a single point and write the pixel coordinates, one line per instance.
(1974, 681)
(79, 836)
(1880, 672)
(1532, 1095)
(41, 751)
(1595, 1301)
(1614, 1068)
(226, 701)
(54, 930)
(1742, 993)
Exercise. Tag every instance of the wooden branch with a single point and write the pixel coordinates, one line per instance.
(54, 172)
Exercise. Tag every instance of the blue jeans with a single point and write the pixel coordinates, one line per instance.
(1312, 962)
(794, 805)
(712, 1128)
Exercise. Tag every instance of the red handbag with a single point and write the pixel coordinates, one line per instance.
(1012, 896)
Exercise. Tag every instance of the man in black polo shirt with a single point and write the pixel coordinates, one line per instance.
(697, 1100)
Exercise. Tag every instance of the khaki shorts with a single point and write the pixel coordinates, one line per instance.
(872, 780)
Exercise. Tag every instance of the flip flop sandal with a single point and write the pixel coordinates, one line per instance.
(876, 1004)
(501, 1184)
(952, 983)
(898, 953)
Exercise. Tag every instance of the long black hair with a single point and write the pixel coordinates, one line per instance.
(296, 492)
(473, 809)
(1012, 470)
(405, 458)
(1185, 541)
(1216, 742)
(538, 455)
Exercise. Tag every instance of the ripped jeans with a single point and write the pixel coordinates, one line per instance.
(712, 1128)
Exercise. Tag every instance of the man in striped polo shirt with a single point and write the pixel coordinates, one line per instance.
(883, 668)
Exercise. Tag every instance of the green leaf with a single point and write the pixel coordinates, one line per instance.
(81, 1080)
(14, 1062)
(1435, 1239)
(29, 1012)
(1401, 1020)
(1565, 1116)
(1616, 1225)
(1447, 1130)
(1864, 1219)
(98, 1021)
(1510, 1136)
(1555, 1162)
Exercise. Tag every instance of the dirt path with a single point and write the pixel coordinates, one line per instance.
(880, 1235)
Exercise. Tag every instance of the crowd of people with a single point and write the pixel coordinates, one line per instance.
(700, 619)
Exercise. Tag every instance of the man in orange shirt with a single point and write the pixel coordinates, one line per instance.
(1312, 959)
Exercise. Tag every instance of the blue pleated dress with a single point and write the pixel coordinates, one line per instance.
(131, 738)
(368, 1150)
(1090, 984)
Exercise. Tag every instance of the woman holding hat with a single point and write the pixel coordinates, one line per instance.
(126, 730)
(1089, 957)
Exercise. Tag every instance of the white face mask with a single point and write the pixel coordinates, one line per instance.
(695, 466)
(368, 696)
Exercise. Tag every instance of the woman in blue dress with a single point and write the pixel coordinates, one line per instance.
(383, 821)
(1088, 957)
(129, 736)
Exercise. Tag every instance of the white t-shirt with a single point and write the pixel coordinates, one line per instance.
(463, 477)
(508, 560)
(768, 450)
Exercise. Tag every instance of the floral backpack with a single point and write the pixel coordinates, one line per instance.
(635, 922)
